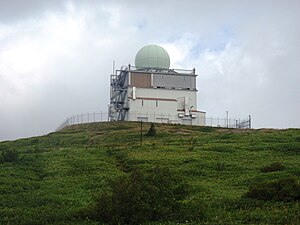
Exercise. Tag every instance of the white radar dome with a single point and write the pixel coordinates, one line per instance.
(152, 56)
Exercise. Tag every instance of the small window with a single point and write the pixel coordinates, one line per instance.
(142, 102)
(156, 103)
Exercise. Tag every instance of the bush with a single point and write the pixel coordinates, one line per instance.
(220, 166)
(277, 166)
(144, 196)
(102, 209)
(285, 189)
(9, 156)
(192, 143)
(151, 131)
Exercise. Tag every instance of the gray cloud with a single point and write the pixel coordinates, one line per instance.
(56, 57)
(16, 10)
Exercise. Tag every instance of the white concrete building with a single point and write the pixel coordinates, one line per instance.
(151, 92)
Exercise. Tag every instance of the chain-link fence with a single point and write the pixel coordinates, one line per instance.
(162, 118)
(84, 118)
(228, 122)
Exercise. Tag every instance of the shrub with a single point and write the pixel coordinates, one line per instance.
(285, 189)
(192, 143)
(277, 166)
(144, 196)
(103, 208)
(220, 166)
(152, 130)
(9, 156)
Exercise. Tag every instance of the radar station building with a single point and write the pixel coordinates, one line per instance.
(152, 92)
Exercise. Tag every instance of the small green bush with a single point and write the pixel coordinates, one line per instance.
(192, 143)
(277, 166)
(220, 166)
(152, 130)
(9, 156)
(144, 196)
(285, 189)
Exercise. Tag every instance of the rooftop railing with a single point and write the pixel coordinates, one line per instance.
(159, 70)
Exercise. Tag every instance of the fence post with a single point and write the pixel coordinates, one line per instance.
(141, 137)
(101, 116)
(250, 121)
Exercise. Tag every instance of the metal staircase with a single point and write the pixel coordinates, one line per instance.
(118, 95)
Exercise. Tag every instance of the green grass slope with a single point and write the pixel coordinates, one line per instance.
(58, 176)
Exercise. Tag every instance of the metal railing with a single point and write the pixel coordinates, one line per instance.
(154, 70)
(163, 118)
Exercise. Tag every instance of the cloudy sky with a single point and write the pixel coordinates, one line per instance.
(56, 56)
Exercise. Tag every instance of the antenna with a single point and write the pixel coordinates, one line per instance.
(113, 72)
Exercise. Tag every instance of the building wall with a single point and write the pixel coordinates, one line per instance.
(164, 113)
(171, 81)
(140, 79)
(166, 94)
(153, 106)
(174, 81)
(164, 106)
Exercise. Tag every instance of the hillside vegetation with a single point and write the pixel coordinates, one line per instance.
(235, 176)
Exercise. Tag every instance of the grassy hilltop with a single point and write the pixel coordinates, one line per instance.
(56, 178)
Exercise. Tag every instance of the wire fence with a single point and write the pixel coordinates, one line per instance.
(164, 118)
(84, 118)
(228, 122)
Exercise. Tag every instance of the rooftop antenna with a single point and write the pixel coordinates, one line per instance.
(113, 72)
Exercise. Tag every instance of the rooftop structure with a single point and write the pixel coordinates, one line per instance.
(152, 56)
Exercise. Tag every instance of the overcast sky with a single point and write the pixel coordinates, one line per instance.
(56, 57)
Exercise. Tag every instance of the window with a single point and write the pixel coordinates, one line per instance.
(142, 102)
(156, 102)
